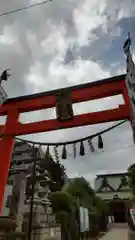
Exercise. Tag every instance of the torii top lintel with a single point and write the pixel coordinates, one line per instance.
(80, 93)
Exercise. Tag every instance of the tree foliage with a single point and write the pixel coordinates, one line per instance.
(131, 176)
(56, 170)
(62, 201)
(84, 193)
(101, 206)
(65, 204)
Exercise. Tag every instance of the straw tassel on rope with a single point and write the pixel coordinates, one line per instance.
(92, 149)
(64, 152)
(56, 153)
(47, 154)
(100, 142)
(74, 150)
(82, 151)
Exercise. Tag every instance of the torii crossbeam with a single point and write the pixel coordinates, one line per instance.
(81, 93)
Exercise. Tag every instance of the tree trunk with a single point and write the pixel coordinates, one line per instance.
(74, 230)
(64, 231)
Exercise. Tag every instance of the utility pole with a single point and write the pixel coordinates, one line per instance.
(35, 151)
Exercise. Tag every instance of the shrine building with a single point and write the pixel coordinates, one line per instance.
(109, 185)
(114, 189)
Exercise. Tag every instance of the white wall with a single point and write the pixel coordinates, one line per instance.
(110, 195)
(114, 181)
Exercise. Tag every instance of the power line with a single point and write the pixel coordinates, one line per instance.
(24, 8)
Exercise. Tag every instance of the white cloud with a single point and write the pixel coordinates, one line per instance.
(57, 36)
(63, 76)
(126, 9)
(34, 76)
(81, 71)
(7, 37)
(88, 16)
(44, 35)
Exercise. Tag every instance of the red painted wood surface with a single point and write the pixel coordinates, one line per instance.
(13, 108)
(79, 120)
(78, 95)
(6, 148)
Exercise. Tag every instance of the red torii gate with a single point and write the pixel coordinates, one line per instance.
(81, 93)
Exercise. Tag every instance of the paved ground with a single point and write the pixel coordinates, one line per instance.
(117, 232)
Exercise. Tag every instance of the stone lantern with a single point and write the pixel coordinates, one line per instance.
(42, 217)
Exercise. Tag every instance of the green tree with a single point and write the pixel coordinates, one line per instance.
(64, 206)
(101, 206)
(82, 191)
(77, 192)
(64, 201)
(131, 177)
(56, 171)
